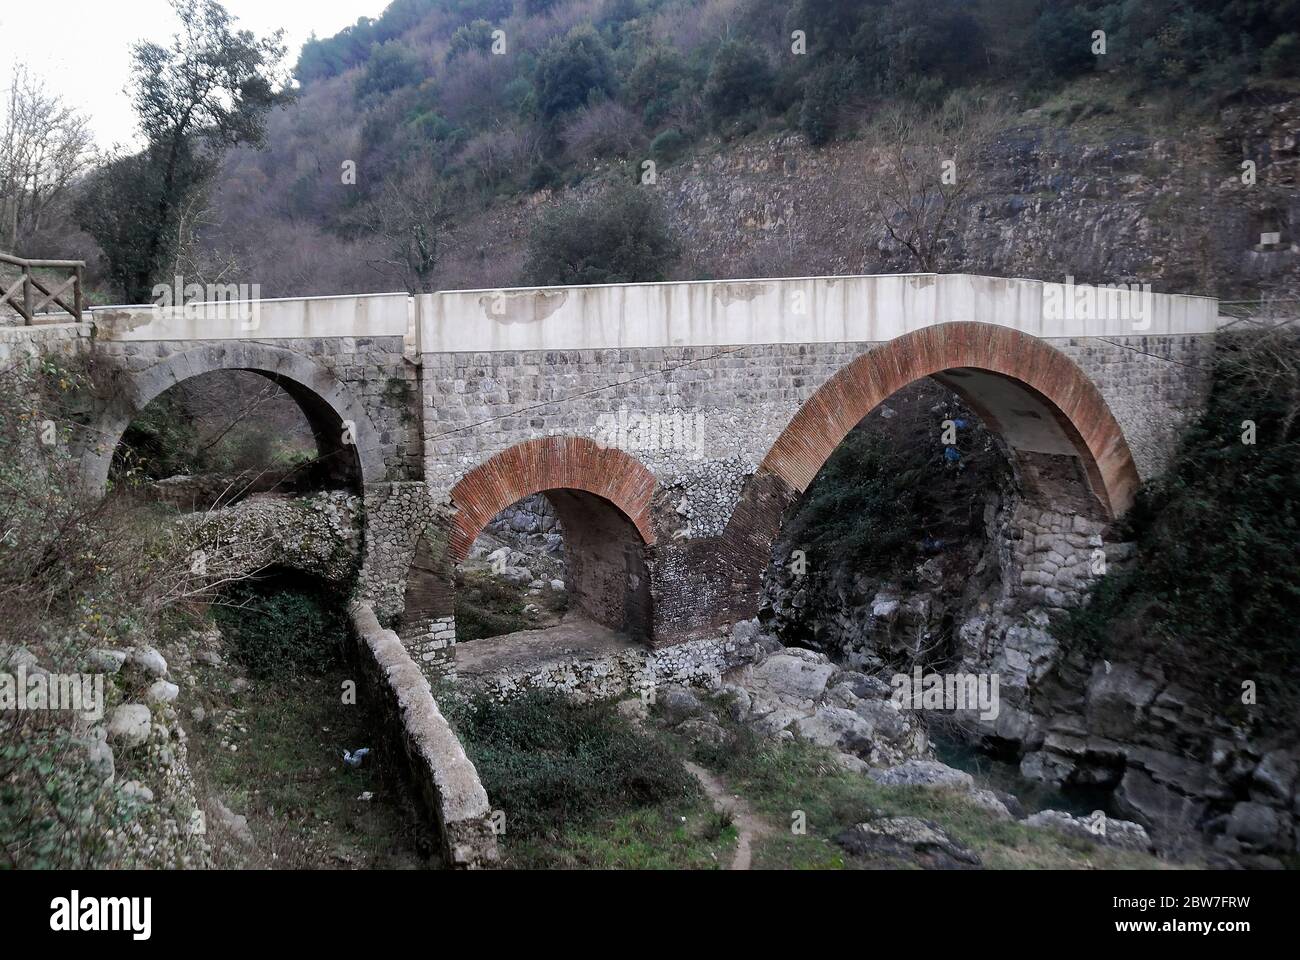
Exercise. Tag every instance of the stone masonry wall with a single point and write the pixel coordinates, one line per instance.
(478, 404)
(372, 367)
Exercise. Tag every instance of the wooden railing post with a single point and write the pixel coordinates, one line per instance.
(27, 294)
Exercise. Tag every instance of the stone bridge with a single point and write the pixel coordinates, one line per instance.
(672, 425)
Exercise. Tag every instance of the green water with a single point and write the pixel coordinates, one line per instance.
(1005, 776)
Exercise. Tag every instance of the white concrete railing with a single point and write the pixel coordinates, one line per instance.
(689, 313)
(365, 315)
(800, 310)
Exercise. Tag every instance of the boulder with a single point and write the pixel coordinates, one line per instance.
(923, 773)
(130, 724)
(1256, 827)
(148, 661)
(106, 661)
(1156, 805)
(836, 727)
(793, 677)
(1274, 779)
(910, 838)
(1096, 826)
(703, 732)
(160, 691)
(675, 704)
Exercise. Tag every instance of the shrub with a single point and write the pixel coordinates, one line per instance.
(618, 236)
(1216, 572)
(1282, 58)
(668, 146)
(550, 762)
(281, 625)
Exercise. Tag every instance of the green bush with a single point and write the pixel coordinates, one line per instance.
(549, 762)
(1282, 58)
(282, 625)
(621, 235)
(1216, 576)
(668, 146)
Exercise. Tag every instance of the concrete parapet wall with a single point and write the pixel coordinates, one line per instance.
(442, 772)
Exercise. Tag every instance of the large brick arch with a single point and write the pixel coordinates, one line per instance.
(842, 401)
(550, 463)
(326, 403)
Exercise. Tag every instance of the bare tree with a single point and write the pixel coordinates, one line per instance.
(46, 145)
(409, 216)
(926, 174)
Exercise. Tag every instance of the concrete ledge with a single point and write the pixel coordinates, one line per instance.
(444, 774)
(794, 310)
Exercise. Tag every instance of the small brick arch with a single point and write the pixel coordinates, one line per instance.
(550, 463)
(839, 404)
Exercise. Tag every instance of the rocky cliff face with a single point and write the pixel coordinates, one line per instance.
(990, 602)
(1102, 204)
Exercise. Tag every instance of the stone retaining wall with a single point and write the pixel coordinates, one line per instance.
(698, 663)
(443, 774)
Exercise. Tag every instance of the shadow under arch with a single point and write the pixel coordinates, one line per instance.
(602, 497)
(1032, 394)
(343, 431)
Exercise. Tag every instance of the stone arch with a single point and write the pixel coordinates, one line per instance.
(550, 463)
(324, 400)
(1020, 385)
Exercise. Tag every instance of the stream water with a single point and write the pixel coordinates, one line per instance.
(1004, 775)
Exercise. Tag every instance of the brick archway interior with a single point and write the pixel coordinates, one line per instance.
(1029, 392)
(602, 498)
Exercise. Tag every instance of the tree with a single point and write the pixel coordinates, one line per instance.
(389, 68)
(409, 216)
(571, 69)
(46, 146)
(740, 80)
(210, 90)
(621, 235)
(824, 90)
(926, 173)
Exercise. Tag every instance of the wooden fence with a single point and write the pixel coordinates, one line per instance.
(30, 295)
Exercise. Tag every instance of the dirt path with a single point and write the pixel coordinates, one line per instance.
(748, 826)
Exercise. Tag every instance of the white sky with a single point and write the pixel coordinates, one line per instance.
(82, 48)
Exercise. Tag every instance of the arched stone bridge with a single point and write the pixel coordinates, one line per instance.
(672, 425)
